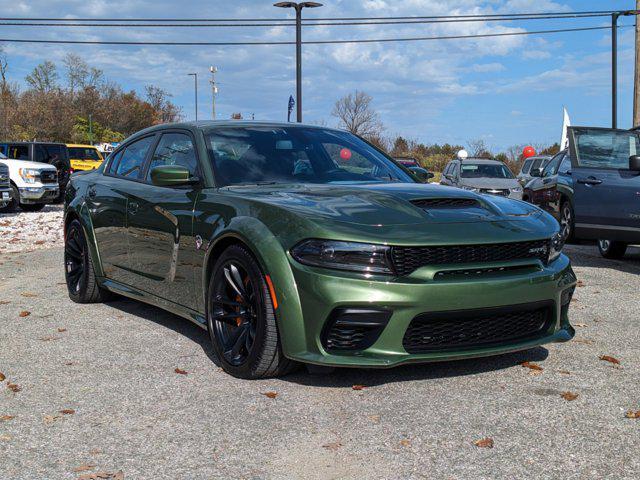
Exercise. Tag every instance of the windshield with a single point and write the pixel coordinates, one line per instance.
(257, 154)
(84, 153)
(485, 170)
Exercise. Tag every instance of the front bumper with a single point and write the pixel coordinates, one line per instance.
(5, 196)
(43, 194)
(321, 292)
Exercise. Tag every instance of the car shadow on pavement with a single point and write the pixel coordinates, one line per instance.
(341, 377)
(588, 256)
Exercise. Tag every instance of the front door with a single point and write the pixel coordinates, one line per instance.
(606, 192)
(160, 225)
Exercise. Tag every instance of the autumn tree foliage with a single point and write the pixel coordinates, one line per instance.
(59, 101)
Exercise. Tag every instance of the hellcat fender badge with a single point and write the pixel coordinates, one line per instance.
(198, 242)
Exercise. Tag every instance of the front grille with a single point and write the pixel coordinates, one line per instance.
(408, 259)
(48, 176)
(4, 176)
(495, 191)
(428, 203)
(479, 272)
(464, 329)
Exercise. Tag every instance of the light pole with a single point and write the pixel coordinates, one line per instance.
(214, 90)
(195, 83)
(298, 7)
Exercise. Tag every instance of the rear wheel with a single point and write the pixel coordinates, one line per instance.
(78, 268)
(612, 249)
(241, 318)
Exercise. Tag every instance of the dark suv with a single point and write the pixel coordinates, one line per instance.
(55, 154)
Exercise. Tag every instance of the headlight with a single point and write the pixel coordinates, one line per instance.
(29, 175)
(473, 189)
(555, 249)
(352, 256)
(516, 189)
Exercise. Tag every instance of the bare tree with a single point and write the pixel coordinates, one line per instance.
(357, 115)
(159, 100)
(44, 77)
(479, 149)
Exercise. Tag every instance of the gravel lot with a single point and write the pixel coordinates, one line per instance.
(112, 369)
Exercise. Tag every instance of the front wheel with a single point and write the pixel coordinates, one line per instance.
(241, 318)
(14, 201)
(78, 268)
(612, 249)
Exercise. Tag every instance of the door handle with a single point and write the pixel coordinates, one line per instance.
(91, 192)
(132, 207)
(590, 181)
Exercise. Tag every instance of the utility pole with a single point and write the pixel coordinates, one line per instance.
(195, 83)
(614, 69)
(636, 83)
(298, 7)
(214, 90)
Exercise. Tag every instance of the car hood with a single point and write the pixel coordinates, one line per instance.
(497, 183)
(385, 204)
(10, 162)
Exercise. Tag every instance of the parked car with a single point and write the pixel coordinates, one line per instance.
(5, 185)
(483, 176)
(32, 184)
(422, 174)
(84, 157)
(552, 190)
(605, 168)
(295, 243)
(55, 154)
(532, 167)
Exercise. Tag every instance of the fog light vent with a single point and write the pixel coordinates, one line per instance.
(567, 295)
(349, 329)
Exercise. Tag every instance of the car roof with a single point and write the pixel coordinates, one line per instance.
(36, 143)
(486, 161)
(80, 145)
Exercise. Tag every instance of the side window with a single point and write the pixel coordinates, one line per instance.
(551, 167)
(565, 165)
(175, 149)
(19, 152)
(114, 158)
(526, 166)
(132, 159)
(455, 170)
(447, 169)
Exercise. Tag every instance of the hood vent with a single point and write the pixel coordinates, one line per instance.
(428, 203)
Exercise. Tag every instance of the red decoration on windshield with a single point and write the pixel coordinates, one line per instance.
(345, 154)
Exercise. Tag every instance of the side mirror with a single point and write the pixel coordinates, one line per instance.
(634, 163)
(430, 175)
(171, 176)
(421, 174)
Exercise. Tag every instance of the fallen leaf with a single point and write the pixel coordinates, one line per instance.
(484, 442)
(102, 475)
(582, 325)
(532, 366)
(48, 338)
(569, 396)
(70, 363)
(68, 411)
(580, 284)
(84, 468)
(583, 340)
(564, 372)
(610, 359)
(62, 330)
(5, 438)
(404, 442)
(13, 387)
(39, 242)
(28, 294)
(181, 372)
(50, 418)
(332, 446)
(24, 313)
(270, 394)
(358, 387)
(2, 377)
(632, 414)
(535, 373)
(4, 302)
(4, 418)
(374, 418)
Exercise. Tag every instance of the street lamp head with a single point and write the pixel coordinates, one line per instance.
(310, 4)
(285, 4)
(297, 5)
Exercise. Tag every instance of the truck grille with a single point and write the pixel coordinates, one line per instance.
(408, 259)
(495, 191)
(48, 176)
(464, 329)
(4, 176)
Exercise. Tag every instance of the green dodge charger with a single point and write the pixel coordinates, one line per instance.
(295, 243)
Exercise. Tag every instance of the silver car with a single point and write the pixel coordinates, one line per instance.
(532, 167)
(483, 176)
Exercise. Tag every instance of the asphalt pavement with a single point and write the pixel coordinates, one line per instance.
(92, 391)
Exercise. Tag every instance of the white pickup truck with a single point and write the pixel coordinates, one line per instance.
(32, 185)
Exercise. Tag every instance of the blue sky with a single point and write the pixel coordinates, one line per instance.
(507, 90)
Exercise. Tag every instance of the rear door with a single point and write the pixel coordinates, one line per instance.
(160, 224)
(606, 192)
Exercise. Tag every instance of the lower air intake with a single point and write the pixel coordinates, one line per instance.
(349, 329)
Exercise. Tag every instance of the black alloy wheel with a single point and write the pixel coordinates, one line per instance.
(241, 318)
(612, 249)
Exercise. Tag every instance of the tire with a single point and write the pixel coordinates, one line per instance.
(13, 204)
(241, 318)
(78, 268)
(567, 221)
(32, 207)
(612, 249)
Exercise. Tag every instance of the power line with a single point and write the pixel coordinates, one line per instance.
(306, 23)
(311, 42)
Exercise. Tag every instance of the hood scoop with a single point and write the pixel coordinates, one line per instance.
(446, 203)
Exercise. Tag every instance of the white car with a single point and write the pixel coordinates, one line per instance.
(32, 184)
